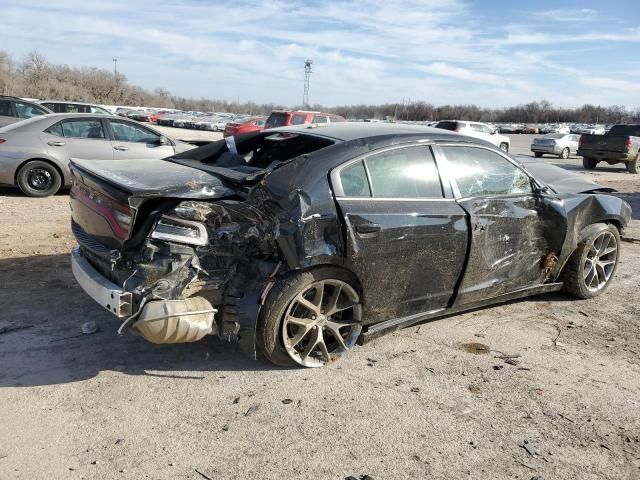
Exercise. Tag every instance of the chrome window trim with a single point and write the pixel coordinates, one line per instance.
(454, 184)
(396, 199)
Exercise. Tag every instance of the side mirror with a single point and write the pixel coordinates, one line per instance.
(539, 188)
(163, 140)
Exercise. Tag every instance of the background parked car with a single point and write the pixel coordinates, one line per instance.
(247, 125)
(73, 107)
(35, 153)
(478, 130)
(13, 109)
(559, 144)
(283, 118)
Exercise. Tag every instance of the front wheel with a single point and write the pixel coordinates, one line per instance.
(564, 154)
(504, 146)
(589, 163)
(633, 166)
(39, 179)
(590, 268)
(310, 318)
(537, 154)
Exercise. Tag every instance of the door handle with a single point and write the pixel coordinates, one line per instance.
(56, 143)
(122, 148)
(368, 228)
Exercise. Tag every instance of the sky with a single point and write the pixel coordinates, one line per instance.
(487, 52)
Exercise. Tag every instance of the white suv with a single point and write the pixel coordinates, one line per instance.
(478, 130)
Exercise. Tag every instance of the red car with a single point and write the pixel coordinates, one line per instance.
(157, 115)
(284, 118)
(248, 125)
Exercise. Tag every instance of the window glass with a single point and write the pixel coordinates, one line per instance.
(319, 119)
(5, 108)
(479, 171)
(298, 119)
(27, 110)
(448, 125)
(354, 181)
(55, 130)
(476, 127)
(126, 132)
(404, 173)
(99, 110)
(82, 129)
(485, 128)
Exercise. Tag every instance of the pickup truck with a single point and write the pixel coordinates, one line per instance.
(620, 145)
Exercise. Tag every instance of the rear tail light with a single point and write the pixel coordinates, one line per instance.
(2, 140)
(627, 143)
(580, 141)
(182, 231)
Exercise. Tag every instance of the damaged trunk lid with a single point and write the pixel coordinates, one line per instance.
(106, 197)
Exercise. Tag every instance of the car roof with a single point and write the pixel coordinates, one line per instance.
(347, 131)
(70, 102)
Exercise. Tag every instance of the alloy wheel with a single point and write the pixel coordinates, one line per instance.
(600, 261)
(322, 323)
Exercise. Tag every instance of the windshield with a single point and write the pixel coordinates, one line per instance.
(277, 119)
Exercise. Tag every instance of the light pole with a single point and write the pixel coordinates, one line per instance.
(115, 76)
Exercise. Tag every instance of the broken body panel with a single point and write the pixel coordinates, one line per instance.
(269, 207)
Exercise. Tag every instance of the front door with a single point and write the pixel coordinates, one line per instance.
(406, 242)
(513, 229)
(133, 141)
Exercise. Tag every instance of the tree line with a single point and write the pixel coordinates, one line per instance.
(33, 76)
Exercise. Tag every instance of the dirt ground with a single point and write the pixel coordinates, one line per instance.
(414, 404)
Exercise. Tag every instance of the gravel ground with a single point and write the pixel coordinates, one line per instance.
(419, 403)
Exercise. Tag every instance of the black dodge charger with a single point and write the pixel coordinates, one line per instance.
(301, 242)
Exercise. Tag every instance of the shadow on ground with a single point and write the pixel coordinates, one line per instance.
(40, 293)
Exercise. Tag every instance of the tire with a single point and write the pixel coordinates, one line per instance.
(564, 154)
(633, 166)
(577, 274)
(589, 163)
(537, 154)
(38, 178)
(504, 146)
(274, 336)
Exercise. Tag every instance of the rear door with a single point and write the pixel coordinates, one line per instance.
(7, 115)
(78, 138)
(406, 236)
(131, 141)
(513, 228)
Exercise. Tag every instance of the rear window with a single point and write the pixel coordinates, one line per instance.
(447, 125)
(625, 131)
(5, 108)
(277, 119)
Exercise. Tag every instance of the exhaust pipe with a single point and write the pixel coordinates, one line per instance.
(176, 321)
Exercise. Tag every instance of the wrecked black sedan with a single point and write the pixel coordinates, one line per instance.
(301, 242)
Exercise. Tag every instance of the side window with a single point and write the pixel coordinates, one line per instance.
(26, 110)
(319, 119)
(407, 172)
(485, 129)
(83, 129)
(476, 127)
(479, 171)
(298, 119)
(55, 130)
(127, 132)
(98, 110)
(5, 108)
(354, 181)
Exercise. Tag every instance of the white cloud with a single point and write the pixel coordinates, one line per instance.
(438, 51)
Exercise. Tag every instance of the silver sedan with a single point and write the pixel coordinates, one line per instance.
(559, 144)
(35, 153)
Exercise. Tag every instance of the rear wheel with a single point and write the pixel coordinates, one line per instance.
(537, 154)
(310, 318)
(591, 266)
(39, 179)
(589, 163)
(633, 166)
(564, 154)
(504, 146)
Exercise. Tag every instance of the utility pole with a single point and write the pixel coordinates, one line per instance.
(115, 75)
(307, 75)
